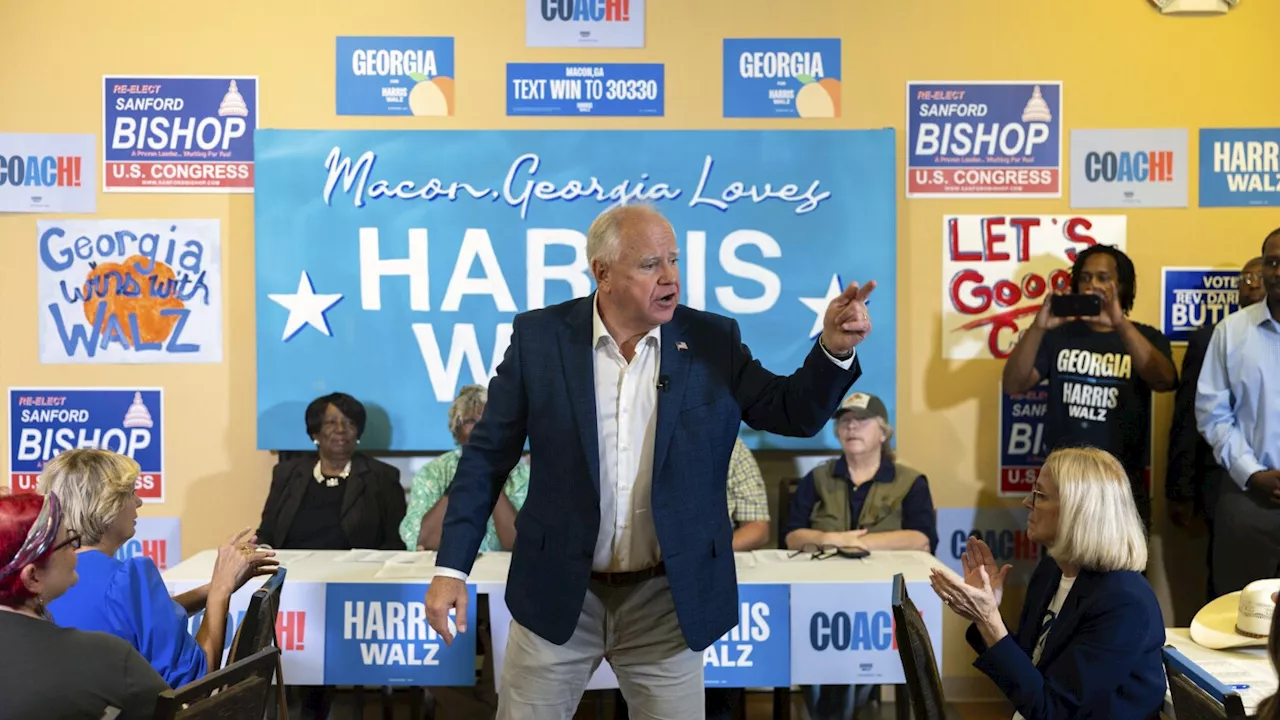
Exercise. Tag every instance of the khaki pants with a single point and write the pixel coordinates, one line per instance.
(636, 629)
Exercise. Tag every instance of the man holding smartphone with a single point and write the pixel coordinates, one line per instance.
(1101, 366)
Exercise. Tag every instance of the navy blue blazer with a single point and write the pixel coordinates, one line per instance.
(1102, 658)
(544, 390)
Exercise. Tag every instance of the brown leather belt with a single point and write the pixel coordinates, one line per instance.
(627, 579)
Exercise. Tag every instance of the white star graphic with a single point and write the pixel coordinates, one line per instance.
(305, 307)
(819, 305)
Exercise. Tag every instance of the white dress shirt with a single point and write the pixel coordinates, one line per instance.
(626, 423)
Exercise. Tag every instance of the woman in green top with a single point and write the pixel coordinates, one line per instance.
(428, 497)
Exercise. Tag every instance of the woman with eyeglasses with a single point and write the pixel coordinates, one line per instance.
(1089, 637)
(128, 598)
(58, 672)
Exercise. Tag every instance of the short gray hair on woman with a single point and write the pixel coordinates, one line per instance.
(1098, 524)
(94, 486)
(604, 237)
(469, 403)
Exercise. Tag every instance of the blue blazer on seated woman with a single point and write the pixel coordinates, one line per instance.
(1090, 632)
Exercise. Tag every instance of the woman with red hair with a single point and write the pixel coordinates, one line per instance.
(52, 671)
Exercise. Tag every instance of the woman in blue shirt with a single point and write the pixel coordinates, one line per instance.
(129, 599)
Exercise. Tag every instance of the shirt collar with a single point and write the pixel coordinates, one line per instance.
(1259, 314)
(885, 473)
(598, 330)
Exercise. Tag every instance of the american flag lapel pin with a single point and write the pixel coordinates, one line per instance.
(681, 346)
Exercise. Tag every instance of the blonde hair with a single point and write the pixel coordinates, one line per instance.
(94, 486)
(604, 237)
(1098, 524)
(469, 403)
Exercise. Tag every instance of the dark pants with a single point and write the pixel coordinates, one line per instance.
(1246, 541)
(720, 703)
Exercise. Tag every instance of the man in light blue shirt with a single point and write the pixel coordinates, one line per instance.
(1238, 413)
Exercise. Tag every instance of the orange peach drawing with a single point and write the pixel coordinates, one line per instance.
(818, 98)
(431, 96)
(147, 294)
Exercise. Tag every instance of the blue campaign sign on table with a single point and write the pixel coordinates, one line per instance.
(843, 633)
(792, 77)
(1191, 297)
(395, 76)
(620, 89)
(377, 634)
(757, 651)
(1239, 167)
(45, 421)
(389, 264)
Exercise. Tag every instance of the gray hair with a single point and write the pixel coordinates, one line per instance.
(94, 486)
(604, 237)
(469, 403)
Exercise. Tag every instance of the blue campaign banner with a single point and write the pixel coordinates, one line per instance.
(757, 651)
(984, 139)
(395, 279)
(793, 77)
(618, 89)
(45, 421)
(1239, 167)
(1192, 297)
(1022, 441)
(395, 76)
(377, 634)
(178, 133)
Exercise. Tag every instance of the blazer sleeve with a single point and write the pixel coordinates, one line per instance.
(1095, 662)
(393, 509)
(1184, 437)
(138, 600)
(797, 405)
(271, 508)
(495, 446)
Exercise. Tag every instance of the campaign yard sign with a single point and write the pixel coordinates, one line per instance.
(157, 538)
(1192, 297)
(395, 76)
(1022, 445)
(1129, 168)
(984, 139)
(1239, 167)
(584, 23)
(178, 133)
(617, 89)
(757, 651)
(47, 173)
(377, 634)
(45, 421)
(129, 291)
(1003, 529)
(782, 78)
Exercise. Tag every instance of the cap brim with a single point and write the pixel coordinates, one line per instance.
(1214, 626)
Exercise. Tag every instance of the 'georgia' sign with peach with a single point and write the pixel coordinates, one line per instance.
(782, 78)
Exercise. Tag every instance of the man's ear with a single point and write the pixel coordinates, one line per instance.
(600, 271)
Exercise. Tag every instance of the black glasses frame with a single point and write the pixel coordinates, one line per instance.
(73, 539)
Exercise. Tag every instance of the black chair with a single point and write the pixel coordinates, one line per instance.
(786, 488)
(924, 683)
(1193, 702)
(257, 630)
(239, 690)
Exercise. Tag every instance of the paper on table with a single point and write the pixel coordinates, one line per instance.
(780, 556)
(386, 556)
(743, 560)
(406, 571)
(290, 556)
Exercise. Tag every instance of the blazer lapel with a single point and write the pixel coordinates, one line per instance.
(673, 366)
(1041, 594)
(576, 353)
(297, 487)
(355, 485)
(1065, 622)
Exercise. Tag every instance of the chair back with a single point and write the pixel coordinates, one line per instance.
(257, 630)
(1197, 695)
(924, 683)
(786, 488)
(239, 690)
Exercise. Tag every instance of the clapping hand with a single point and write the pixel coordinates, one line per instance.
(977, 556)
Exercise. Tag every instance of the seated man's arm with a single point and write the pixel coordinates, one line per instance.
(750, 502)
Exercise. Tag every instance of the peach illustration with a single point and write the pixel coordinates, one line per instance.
(818, 98)
(138, 301)
(431, 96)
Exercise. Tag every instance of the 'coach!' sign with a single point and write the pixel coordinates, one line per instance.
(998, 270)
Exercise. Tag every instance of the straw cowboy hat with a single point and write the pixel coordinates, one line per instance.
(1238, 619)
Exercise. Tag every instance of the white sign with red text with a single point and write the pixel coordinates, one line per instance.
(997, 271)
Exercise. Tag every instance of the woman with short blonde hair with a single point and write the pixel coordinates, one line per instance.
(1089, 640)
(128, 598)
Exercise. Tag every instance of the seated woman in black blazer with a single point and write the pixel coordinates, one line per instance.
(1090, 635)
(334, 498)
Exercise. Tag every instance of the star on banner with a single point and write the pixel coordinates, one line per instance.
(305, 307)
(819, 305)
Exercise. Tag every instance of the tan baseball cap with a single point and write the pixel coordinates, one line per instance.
(863, 406)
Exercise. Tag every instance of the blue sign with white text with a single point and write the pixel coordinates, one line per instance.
(1239, 167)
(377, 634)
(757, 651)
(620, 89)
(1022, 442)
(389, 264)
(1193, 297)
(395, 76)
(797, 77)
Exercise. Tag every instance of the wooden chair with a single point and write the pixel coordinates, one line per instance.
(924, 683)
(257, 631)
(1197, 696)
(239, 690)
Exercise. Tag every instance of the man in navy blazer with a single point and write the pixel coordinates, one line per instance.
(631, 404)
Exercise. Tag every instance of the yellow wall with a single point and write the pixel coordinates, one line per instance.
(1122, 64)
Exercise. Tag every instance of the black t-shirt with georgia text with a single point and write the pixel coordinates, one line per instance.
(1096, 396)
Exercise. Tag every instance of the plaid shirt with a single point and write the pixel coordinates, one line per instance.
(747, 499)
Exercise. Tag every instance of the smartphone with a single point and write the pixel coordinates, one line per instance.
(1075, 305)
